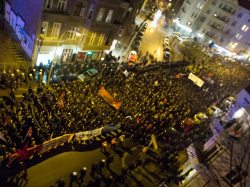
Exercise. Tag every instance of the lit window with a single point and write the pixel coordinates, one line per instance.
(61, 5)
(238, 36)
(100, 14)
(92, 39)
(199, 6)
(101, 39)
(72, 33)
(233, 45)
(56, 29)
(49, 4)
(244, 28)
(109, 16)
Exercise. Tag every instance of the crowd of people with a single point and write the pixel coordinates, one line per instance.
(155, 99)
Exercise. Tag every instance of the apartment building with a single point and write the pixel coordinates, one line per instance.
(239, 28)
(224, 22)
(64, 28)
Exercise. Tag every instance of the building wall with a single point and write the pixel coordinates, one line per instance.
(240, 30)
(96, 34)
(219, 20)
(23, 17)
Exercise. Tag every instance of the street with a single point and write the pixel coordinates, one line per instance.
(62, 165)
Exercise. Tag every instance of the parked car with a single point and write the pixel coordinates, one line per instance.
(214, 111)
(64, 79)
(88, 74)
(200, 117)
(227, 103)
(92, 72)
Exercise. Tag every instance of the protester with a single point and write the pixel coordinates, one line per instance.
(154, 101)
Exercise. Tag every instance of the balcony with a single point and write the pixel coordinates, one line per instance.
(224, 20)
(210, 35)
(216, 27)
(231, 12)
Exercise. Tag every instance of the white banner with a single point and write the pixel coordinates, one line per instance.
(199, 82)
(88, 134)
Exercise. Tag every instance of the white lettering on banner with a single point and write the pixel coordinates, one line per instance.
(88, 134)
(199, 82)
(56, 142)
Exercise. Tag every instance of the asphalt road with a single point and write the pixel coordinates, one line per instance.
(152, 40)
(62, 165)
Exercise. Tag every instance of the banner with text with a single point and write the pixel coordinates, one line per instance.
(51, 144)
(88, 134)
(199, 82)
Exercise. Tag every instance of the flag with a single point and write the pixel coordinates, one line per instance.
(61, 100)
(153, 139)
(108, 98)
(28, 134)
(2, 137)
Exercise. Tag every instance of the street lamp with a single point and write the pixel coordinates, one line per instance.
(54, 56)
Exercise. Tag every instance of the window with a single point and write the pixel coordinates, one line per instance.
(72, 32)
(56, 29)
(244, 28)
(234, 23)
(233, 45)
(44, 29)
(199, 6)
(238, 36)
(90, 14)
(49, 4)
(92, 39)
(100, 14)
(101, 39)
(79, 8)
(240, 15)
(61, 5)
(109, 16)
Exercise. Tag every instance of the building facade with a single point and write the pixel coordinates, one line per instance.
(225, 22)
(63, 29)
